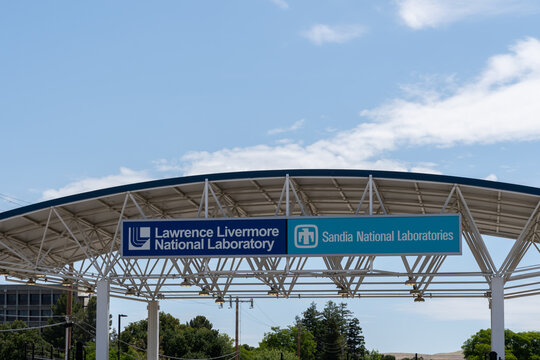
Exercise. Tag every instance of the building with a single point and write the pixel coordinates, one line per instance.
(31, 304)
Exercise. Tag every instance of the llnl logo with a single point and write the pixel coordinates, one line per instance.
(139, 238)
(306, 236)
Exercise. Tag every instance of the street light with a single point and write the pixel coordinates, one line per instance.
(120, 316)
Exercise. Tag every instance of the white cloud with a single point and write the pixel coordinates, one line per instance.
(297, 125)
(522, 314)
(126, 176)
(320, 33)
(491, 177)
(449, 309)
(499, 105)
(281, 4)
(419, 14)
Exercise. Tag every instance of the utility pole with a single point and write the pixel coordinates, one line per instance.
(236, 332)
(67, 283)
(298, 346)
(120, 316)
(237, 302)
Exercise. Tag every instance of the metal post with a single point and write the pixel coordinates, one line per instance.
(298, 345)
(69, 303)
(102, 320)
(287, 208)
(497, 315)
(120, 316)
(152, 352)
(236, 331)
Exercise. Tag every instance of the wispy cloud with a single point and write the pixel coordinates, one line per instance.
(297, 125)
(320, 34)
(126, 176)
(419, 14)
(498, 105)
(281, 4)
(521, 314)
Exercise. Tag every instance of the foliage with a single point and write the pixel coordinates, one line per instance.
(196, 339)
(336, 332)
(266, 354)
(131, 354)
(12, 343)
(287, 340)
(524, 345)
(85, 318)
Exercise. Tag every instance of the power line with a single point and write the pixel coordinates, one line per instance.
(32, 328)
(13, 200)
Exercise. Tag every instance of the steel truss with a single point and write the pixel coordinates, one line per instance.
(71, 247)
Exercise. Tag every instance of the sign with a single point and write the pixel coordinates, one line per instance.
(375, 235)
(316, 236)
(230, 237)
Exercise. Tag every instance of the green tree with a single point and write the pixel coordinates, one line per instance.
(196, 339)
(83, 317)
(335, 330)
(12, 343)
(287, 340)
(525, 345)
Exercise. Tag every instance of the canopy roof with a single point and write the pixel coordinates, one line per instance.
(46, 237)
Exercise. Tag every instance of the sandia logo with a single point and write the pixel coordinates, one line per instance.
(139, 238)
(306, 236)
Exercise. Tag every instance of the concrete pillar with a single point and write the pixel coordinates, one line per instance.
(497, 316)
(152, 351)
(102, 320)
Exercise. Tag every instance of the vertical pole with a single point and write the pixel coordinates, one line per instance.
(497, 315)
(102, 320)
(370, 195)
(153, 330)
(236, 331)
(206, 198)
(287, 209)
(69, 302)
(118, 334)
(298, 345)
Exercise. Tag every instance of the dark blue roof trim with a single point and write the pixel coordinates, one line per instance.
(269, 174)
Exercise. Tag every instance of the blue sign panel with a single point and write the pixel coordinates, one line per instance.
(177, 238)
(375, 235)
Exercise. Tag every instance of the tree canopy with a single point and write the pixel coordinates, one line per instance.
(521, 345)
(196, 339)
(336, 332)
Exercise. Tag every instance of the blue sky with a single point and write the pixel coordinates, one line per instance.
(105, 93)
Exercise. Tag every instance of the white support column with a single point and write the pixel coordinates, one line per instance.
(152, 352)
(102, 320)
(497, 316)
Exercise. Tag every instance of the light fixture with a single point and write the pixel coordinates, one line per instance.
(220, 300)
(90, 290)
(273, 292)
(410, 282)
(419, 299)
(342, 292)
(186, 283)
(4, 272)
(204, 292)
(130, 292)
(31, 281)
(66, 283)
(415, 292)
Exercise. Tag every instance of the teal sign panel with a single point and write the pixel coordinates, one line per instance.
(375, 235)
